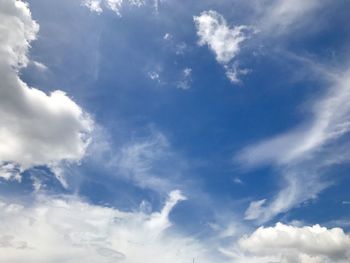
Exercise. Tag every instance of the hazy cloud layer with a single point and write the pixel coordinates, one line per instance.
(71, 230)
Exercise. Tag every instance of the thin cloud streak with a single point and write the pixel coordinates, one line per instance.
(302, 154)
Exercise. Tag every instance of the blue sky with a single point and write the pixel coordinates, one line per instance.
(172, 131)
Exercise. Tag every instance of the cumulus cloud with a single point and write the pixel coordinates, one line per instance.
(222, 39)
(302, 153)
(271, 19)
(71, 230)
(289, 244)
(35, 128)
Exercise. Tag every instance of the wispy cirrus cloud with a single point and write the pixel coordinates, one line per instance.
(148, 161)
(145, 161)
(283, 16)
(302, 154)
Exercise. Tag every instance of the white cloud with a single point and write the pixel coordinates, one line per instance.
(176, 46)
(301, 154)
(289, 244)
(186, 79)
(233, 72)
(154, 75)
(35, 128)
(181, 48)
(237, 180)
(299, 186)
(167, 36)
(157, 4)
(93, 5)
(187, 72)
(254, 209)
(283, 15)
(10, 171)
(222, 39)
(114, 5)
(270, 18)
(148, 162)
(40, 66)
(71, 230)
(329, 122)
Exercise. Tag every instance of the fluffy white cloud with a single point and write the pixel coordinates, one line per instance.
(70, 230)
(35, 128)
(289, 244)
(222, 39)
(270, 18)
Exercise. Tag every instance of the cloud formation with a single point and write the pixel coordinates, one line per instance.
(35, 128)
(186, 79)
(149, 162)
(93, 5)
(282, 16)
(114, 5)
(71, 230)
(304, 152)
(289, 244)
(223, 40)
